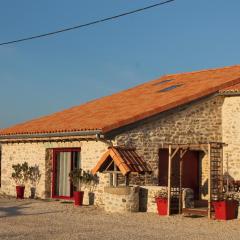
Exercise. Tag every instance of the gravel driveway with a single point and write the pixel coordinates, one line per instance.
(36, 219)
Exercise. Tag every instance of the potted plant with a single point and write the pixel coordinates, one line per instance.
(20, 176)
(226, 209)
(161, 198)
(76, 178)
(34, 178)
(79, 179)
(89, 183)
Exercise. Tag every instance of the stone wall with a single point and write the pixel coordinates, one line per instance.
(203, 175)
(121, 199)
(147, 196)
(36, 153)
(231, 135)
(197, 122)
(210, 119)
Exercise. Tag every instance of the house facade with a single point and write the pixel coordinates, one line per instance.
(189, 108)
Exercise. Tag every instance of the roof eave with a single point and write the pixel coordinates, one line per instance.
(96, 133)
(229, 93)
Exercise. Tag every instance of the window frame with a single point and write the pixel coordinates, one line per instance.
(54, 167)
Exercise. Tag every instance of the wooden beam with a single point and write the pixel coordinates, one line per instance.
(180, 186)
(184, 146)
(110, 179)
(182, 153)
(217, 144)
(189, 146)
(127, 180)
(111, 172)
(221, 183)
(106, 169)
(227, 174)
(174, 153)
(169, 179)
(115, 180)
(209, 181)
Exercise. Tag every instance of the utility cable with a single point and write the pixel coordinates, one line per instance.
(86, 24)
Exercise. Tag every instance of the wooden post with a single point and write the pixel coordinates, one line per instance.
(182, 153)
(115, 180)
(209, 181)
(180, 183)
(169, 179)
(127, 180)
(227, 190)
(110, 179)
(221, 174)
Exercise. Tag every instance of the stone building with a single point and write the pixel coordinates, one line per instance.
(188, 108)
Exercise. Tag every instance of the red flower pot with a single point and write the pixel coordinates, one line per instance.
(162, 204)
(78, 198)
(225, 210)
(20, 192)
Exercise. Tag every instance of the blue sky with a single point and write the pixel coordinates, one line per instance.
(51, 74)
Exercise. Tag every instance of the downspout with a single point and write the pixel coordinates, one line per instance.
(101, 138)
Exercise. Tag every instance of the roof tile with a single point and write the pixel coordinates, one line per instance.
(134, 104)
(126, 159)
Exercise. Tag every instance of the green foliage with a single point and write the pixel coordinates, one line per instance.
(162, 193)
(34, 175)
(80, 178)
(76, 177)
(20, 173)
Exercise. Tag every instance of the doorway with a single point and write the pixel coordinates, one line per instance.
(190, 170)
(64, 160)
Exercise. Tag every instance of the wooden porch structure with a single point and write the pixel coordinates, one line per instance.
(214, 153)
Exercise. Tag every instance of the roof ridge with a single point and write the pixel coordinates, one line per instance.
(200, 71)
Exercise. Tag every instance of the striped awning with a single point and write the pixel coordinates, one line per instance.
(126, 160)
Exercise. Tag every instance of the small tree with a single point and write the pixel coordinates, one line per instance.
(76, 178)
(34, 178)
(81, 178)
(20, 173)
(34, 175)
(162, 193)
(89, 180)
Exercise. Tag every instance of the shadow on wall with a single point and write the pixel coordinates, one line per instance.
(230, 183)
(143, 199)
(91, 196)
(227, 179)
(204, 188)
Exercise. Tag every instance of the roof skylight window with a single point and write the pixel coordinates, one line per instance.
(162, 82)
(170, 88)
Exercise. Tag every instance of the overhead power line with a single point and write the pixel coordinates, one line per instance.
(86, 24)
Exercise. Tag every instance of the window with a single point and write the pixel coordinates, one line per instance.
(162, 82)
(170, 88)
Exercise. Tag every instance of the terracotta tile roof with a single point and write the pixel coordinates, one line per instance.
(127, 160)
(134, 104)
(232, 89)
